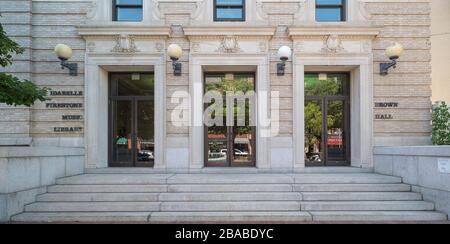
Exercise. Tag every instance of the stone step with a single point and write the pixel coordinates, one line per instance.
(230, 188)
(230, 179)
(333, 170)
(360, 178)
(98, 197)
(361, 196)
(149, 179)
(114, 179)
(106, 188)
(82, 217)
(169, 197)
(233, 217)
(92, 207)
(367, 206)
(228, 196)
(230, 206)
(220, 217)
(351, 187)
(378, 216)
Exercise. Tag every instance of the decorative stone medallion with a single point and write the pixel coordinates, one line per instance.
(229, 44)
(332, 45)
(195, 47)
(159, 47)
(262, 47)
(91, 46)
(92, 11)
(125, 44)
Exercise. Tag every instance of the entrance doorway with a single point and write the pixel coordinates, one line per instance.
(327, 119)
(131, 120)
(231, 144)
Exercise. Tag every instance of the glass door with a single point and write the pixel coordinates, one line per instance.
(230, 144)
(131, 116)
(121, 113)
(327, 119)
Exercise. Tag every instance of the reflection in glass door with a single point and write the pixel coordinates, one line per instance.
(230, 146)
(131, 120)
(327, 126)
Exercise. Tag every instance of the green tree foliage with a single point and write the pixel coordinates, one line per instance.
(313, 110)
(243, 85)
(12, 90)
(441, 124)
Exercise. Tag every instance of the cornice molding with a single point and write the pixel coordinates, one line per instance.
(343, 31)
(117, 29)
(216, 32)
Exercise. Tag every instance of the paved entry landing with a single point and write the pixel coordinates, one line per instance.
(233, 197)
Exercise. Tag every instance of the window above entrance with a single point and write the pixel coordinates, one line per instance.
(331, 10)
(127, 10)
(132, 84)
(229, 10)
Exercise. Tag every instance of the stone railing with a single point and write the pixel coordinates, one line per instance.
(426, 168)
(26, 171)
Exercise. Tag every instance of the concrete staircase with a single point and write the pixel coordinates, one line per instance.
(106, 196)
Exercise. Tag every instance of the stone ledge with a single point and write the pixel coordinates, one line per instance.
(20, 141)
(431, 151)
(115, 29)
(22, 152)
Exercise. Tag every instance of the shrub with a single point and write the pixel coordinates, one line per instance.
(441, 124)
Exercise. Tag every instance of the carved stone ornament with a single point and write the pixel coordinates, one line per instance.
(195, 47)
(125, 44)
(91, 46)
(159, 47)
(262, 47)
(92, 11)
(332, 45)
(229, 44)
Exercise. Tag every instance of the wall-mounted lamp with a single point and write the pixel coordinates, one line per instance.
(284, 53)
(64, 53)
(174, 51)
(393, 52)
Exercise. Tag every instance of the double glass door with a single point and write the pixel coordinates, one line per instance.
(327, 120)
(131, 109)
(230, 144)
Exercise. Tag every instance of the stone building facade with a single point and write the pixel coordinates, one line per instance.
(440, 37)
(385, 110)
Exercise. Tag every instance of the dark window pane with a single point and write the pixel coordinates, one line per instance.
(328, 15)
(128, 2)
(132, 84)
(129, 14)
(229, 13)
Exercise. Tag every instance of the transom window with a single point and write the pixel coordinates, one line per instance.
(229, 10)
(330, 10)
(127, 10)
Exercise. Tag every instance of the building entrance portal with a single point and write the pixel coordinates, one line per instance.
(327, 119)
(231, 143)
(131, 116)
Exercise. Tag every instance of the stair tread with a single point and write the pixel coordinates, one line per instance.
(240, 197)
(378, 216)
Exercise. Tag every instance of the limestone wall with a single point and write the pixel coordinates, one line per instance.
(39, 25)
(440, 31)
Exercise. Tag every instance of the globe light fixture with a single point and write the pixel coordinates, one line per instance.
(393, 52)
(174, 51)
(64, 53)
(284, 53)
